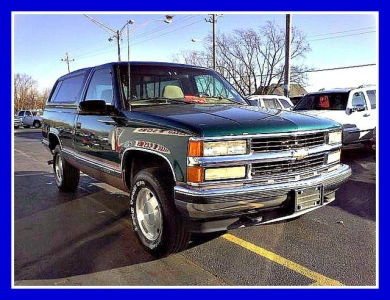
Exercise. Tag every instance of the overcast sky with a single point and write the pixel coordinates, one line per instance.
(336, 40)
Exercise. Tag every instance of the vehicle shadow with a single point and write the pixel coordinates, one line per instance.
(29, 133)
(35, 191)
(60, 235)
(358, 195)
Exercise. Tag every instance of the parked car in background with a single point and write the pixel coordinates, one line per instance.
(295, 99)
(31, 118)
(17, 122)
(354, 108)
(270, 101)
(193, 156)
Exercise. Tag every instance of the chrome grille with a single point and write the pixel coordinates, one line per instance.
(289, 168)
(266, 144)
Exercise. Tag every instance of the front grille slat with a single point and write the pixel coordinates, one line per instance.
(291, 168)
(265, 144)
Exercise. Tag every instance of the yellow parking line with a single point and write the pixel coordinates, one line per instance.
(318, 279)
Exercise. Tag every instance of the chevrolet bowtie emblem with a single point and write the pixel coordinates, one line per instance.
(300, 153)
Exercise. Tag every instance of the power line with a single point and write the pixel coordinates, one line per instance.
(336, 68)
(167, 32)
(341, 36)
(324, 69)
(158, 28)
(338, 32)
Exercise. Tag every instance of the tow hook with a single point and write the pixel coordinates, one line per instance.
(50, 162)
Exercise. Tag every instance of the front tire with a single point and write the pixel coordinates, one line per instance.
(154, 217)
(66, 176)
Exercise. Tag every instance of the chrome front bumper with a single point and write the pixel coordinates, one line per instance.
(231, 207)
(353, 135)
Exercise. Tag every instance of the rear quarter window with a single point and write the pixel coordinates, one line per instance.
(68, 90)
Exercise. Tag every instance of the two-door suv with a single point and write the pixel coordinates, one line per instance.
(192, 154)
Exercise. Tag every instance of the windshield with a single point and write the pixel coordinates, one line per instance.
(151, 85)
(330, 101)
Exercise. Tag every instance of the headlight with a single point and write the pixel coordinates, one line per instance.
(200, 148)
(224, 173)
(335, 137)
(334, 157)
(224, 148)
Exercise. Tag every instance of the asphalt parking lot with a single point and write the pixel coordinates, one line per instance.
(86, 239)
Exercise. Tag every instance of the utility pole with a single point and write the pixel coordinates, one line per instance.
(213, 19)
(287, 57)
(67, 60)
(118, 40)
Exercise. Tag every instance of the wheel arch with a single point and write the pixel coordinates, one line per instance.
(54, 140)
(130, 163)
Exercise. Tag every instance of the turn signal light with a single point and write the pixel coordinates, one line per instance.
(195, 148)
(195, 174)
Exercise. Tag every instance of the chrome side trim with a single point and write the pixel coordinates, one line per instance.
(152, 152)
(256, 157)
(343, 172)
(95, 163)
(261, 135)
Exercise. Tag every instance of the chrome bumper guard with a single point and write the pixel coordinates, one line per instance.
(232, 207)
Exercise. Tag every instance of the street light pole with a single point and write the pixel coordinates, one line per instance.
(117, 34)
(287, 57)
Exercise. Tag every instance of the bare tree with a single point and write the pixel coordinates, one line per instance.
(26, 93)
(253, 61)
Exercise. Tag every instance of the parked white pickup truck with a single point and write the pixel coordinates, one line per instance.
(354, 108)
(270, 101)
(30, 118)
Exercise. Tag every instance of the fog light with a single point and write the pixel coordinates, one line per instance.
(335, 137)
(225, 173)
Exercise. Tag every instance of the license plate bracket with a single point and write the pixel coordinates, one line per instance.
(309, 197)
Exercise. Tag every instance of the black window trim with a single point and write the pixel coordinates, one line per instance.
(59, 81)
(113, 82)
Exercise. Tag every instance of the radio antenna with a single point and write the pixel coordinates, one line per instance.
(128, 64)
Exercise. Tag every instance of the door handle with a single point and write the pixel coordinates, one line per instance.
(78, 125)
(366, 115)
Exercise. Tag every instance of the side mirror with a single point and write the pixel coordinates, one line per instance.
(93, 106)
(349, 111)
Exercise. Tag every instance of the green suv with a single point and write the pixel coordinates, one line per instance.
(193, 155)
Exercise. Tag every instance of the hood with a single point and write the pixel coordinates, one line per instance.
(228, 120)
(336, 115)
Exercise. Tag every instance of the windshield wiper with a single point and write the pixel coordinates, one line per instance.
(182, 101)
(219, 98)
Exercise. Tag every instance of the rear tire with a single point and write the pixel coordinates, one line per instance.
(66, 176)
(37, 124)
(154, 217)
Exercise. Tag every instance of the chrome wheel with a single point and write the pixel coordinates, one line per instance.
(59, 171)
(149, 215)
